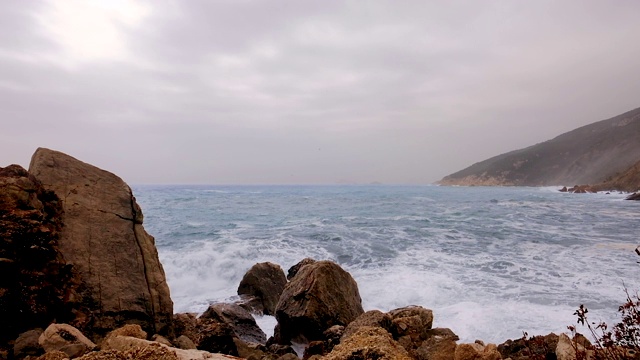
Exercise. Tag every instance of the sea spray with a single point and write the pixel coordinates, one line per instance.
(490, 262)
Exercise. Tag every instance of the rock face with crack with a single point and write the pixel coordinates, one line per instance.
(103, 239)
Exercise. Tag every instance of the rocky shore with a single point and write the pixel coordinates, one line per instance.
(82, 280)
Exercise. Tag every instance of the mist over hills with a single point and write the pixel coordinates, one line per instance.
(592, 154)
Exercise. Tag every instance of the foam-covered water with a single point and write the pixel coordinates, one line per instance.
(490, 262)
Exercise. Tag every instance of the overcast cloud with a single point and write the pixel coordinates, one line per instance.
(244, 91)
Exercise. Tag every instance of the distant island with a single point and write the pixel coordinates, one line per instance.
(605, 155)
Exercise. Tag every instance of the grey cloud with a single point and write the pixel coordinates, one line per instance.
(305, 91)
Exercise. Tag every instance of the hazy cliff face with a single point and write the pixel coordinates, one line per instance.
(587, 155)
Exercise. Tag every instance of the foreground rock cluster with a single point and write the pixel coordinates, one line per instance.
(82, 280)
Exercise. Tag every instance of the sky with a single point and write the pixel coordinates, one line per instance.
(307, 92)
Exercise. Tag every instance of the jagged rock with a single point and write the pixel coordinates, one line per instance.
(54, 355)
(65, 338)
(321, 295)
(443, 333)
(567, 349)
(314, 348)
(437, 347)
(564, 189)
(375, 318)
(564, 348)
(280, 350)
(35, 279)
(133, 330)
(126, 345)
(294, 357)
(216, 337)
(536, 346)
(184, 342)
(477, 351)
(27, 344)
(104, 240)
(332, 337)
(185, 324)
(239, 320)
(264, 282)
(295, 268)
(410, 326)
(105, 355)
(368, 343)
(250, 350)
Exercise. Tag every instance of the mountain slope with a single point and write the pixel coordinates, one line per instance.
(628, 181)
(589, 154)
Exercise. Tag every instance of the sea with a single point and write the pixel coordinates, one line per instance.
(491, 262)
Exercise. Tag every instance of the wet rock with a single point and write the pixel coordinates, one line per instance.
(264, 282)
(238, 319)
(634, 196)
(122, 280)
(319, 296)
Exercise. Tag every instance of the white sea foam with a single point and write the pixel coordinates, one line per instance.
(490, 262)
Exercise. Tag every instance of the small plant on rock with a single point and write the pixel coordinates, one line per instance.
(622, 341)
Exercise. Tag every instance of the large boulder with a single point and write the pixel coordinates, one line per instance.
(103, 239)
(264, 283)
(319, 296)
(35, 280)
(239, 320)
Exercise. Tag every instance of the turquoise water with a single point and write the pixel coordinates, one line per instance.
(491, 262)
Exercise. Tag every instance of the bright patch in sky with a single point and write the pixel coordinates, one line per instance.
(91, 30)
